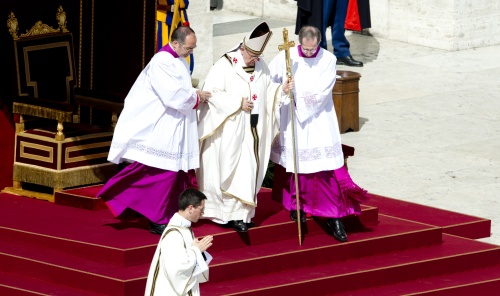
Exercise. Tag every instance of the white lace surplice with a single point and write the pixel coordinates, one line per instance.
(317, 136)
(158, 124)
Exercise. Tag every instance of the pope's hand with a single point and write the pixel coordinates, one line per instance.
(246, 104)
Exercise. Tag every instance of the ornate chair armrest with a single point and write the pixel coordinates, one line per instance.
(99, 100)
(42, 111)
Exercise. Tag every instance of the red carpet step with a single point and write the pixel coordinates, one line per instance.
(14, 285)
(286, 255)
(451, 222)
(55, 249)
(453, 255)
(483, 281)
(83, 198)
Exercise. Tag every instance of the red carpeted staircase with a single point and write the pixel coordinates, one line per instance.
(400, 248)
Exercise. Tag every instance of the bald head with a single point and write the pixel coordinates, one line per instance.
(309, 33)
(183, 41)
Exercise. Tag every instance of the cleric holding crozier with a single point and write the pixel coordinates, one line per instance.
(325, 187)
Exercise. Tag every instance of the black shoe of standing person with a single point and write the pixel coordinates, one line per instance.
(338, 229)
(156, 228)
(349, 61)
(293, 216)
(240, 226)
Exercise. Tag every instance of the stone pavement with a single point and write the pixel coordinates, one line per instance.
(429, 118)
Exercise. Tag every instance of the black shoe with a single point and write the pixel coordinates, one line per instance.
(293, 216)
(240, 226)
(156, 228)
(250, 224)
(349, 61)
(230, 224)
(338, 229)
(227, 225)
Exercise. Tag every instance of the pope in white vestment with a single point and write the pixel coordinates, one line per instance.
(236, 129)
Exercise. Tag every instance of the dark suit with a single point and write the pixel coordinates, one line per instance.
(334, 13)
(309, 12)
(322, 14)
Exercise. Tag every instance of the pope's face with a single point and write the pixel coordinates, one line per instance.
(249, 58)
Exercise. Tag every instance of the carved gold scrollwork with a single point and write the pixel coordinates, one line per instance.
(38, 29)
(61, 19)
(13, 25)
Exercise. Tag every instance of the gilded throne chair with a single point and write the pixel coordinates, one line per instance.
(54, 149)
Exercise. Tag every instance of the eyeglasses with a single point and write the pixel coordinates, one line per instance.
(187, 48)
(252, 57)
(309, 50)
(202, 209)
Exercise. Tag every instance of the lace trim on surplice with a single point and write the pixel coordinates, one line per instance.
(313, 154)
(175, 155)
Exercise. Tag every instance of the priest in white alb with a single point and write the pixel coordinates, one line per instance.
(180, 262)
(236, 129)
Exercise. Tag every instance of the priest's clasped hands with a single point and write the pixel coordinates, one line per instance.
(204, 243)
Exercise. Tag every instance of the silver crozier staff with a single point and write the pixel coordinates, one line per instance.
(286, 47)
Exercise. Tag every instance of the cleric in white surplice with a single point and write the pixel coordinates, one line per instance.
(157, 133)
(236, 129)
(325, 187)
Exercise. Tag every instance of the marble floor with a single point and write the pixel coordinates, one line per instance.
(429, 118)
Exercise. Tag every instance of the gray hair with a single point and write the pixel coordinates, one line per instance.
(309, 33)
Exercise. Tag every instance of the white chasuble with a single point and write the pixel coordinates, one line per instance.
(318, 143)
(158, 124)
(177, 267)
(234, 156)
